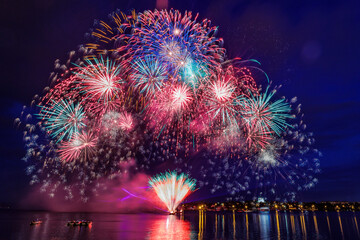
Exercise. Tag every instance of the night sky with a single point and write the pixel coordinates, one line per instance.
(310, 47)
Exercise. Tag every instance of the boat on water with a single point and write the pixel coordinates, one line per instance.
(247, 211)
(35, 222)
(264, 209)
(79, 223)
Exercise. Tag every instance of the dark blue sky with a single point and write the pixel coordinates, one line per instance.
(310, 47)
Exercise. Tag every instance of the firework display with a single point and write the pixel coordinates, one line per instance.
(172, 189)
(156, 88)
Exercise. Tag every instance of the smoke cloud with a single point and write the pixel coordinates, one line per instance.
(129, 196)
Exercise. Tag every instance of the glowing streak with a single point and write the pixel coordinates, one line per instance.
(162, 129)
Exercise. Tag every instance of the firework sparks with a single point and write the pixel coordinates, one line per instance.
(180, 97)
(222, 102)
(176, 38)
(155, 87)
(113, 121)
(80, 147)
(265, 116)
(126, 121)
(100, 79)
(172, 188)
(63, 119)
(149, 75)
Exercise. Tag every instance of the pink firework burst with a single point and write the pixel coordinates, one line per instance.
(79, 147)
(100, 79)
(221, 101)
(256, 138)
(172, 99)
(223, 91)
(126, 121)
(112, 121)
(180, 97)
(171, 112)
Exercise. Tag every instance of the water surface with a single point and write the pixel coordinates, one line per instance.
(191, 225)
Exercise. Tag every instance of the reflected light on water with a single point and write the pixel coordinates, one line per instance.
(264, 225)
(201, 224)
(356, 226)
(341, 227)
(328, 222)
(170, 228)
(189, 225)
(286, 226)
(247, 225)
(303, 224)
(292, 220)
(35, 232)
(316, 225)
(223, 226)
(234, 225)
(277, 225)
(216, 225)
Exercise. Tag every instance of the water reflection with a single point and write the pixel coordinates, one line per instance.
(172, 228)
(316, 225)
(264, 219)
(234, 225)
(356, 226)
(216, 225)
(277, 224)
(286, 226)
(292, 219)
(35, 233)
(190, 225)
(341, 227)
(247, 225)
(223, 225)
(303, 224)
(328, 222)
(201, 224)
